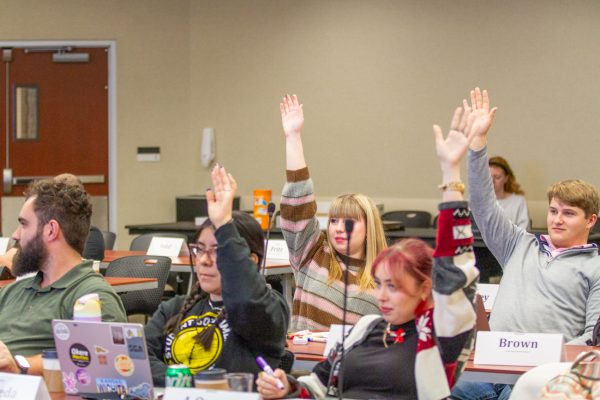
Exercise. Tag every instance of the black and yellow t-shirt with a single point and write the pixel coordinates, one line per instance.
(182, 347)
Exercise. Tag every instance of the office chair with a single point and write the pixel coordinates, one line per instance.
(141, 301)
(410, 218)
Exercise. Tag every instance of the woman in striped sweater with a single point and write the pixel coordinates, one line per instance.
(319, 259)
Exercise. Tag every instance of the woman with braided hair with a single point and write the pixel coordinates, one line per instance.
(233, 316)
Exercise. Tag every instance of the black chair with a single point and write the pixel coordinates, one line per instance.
(287, 361)
(141, 301)
(177, 281)
(410, 218)
(109, 239)
(94, 245)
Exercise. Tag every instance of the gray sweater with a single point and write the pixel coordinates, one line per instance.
(539, 292)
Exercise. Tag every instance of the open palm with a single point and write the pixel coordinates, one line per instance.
(451, 150)
(292, 116)
(481, 118)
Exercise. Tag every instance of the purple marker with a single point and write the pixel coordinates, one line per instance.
(269, 371)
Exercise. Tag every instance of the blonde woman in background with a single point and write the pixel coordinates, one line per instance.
(509, 194)
(319, 259)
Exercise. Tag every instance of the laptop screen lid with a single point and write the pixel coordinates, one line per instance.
(98, 357)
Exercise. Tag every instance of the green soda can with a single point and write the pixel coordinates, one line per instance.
(178, 375)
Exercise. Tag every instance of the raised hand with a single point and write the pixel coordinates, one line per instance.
(219, 199)
(481, 119)
(292, 116)
(452, 149)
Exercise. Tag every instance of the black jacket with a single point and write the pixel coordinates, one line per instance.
(256, 323)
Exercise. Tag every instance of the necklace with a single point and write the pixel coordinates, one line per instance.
(397, 335)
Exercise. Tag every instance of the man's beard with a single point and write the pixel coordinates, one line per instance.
(31, 258)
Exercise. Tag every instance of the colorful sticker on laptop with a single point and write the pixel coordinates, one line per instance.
(101, 354)
(132, 331)
(80, 355)
(135, 348)
(124, 365)
(111, 385)
(83, 376)
(69, 383)
(117, 335)
(61, 331)
(143, 391)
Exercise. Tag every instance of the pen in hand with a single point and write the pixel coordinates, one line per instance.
(269, 371)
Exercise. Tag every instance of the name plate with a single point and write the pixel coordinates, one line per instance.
(23, 387)
(175, 393)
(165, 246)
(522, 349)
(488, 294)
(4, 245)
(277, 250)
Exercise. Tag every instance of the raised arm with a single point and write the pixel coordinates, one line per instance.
(499, 233)
(451, 151)
(292, 120)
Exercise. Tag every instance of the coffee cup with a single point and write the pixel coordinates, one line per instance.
(213, 379)
(51, 370)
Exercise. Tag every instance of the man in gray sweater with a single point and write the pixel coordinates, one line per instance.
(550, 283)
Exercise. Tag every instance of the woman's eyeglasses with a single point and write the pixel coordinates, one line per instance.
(198, 250)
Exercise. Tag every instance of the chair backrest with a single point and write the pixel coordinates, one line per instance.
(410, 218)
(94, 245)
(287, 361)
(109, 239)
(141, 301)
(142, 242)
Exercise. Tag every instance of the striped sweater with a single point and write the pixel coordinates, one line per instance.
(318, 303)
(445, 332)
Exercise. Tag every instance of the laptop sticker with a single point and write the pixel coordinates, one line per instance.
(131, 332)
(101, 354)
(124, 365)
(80, 355)
(135, 348)
(143, 391)
(61, 331)
(83, 376)
(117, 335)
(111, 385)
(69, 383)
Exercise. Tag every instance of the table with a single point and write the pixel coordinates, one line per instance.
(120, 285)
(308, 355)
(182, 264)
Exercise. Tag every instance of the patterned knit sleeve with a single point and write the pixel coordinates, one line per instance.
(298, 222)
(446, 331)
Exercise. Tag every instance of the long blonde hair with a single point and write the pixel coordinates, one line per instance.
(358, 206)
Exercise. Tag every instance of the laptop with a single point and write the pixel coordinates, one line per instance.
(103, 357)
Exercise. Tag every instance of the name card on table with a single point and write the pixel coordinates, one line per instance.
(277, 250)
(175, 393)
(23, 387)
(4, 245)
(488, 294)
(165, 246)
(522, 349)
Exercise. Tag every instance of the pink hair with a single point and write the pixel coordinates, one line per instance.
(412, 256)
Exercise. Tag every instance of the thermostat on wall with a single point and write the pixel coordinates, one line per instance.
(148, 153)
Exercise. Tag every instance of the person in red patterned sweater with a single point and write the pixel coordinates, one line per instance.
(419, 346)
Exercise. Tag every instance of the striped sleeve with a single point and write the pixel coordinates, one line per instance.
(446, 331)
(298, 221)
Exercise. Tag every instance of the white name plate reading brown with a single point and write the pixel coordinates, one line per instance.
(523, 349)
(175, 393)
(22, 387)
